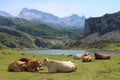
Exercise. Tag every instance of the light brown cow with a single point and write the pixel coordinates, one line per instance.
(78, 56)
(87, 58)
(32, 64)
(17, 66)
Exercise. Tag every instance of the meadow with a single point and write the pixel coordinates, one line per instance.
(95, 70)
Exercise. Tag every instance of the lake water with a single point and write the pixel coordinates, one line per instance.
(67, 52)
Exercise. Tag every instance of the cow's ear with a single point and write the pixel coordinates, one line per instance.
(46, 59)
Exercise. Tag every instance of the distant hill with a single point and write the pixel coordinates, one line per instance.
(37, 34)
(29, 27)
(15, 39)
(73, 21)
(101, 32)
(2, 13)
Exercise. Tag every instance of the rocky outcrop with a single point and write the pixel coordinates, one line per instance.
(101, 33)
(104, 24)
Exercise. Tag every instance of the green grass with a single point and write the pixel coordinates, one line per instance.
(96, 70)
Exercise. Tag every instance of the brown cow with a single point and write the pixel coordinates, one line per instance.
(87, 58)
(24, 59)
(17, 66)
(101, 56)
(32, 64)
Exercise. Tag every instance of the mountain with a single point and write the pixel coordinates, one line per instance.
(73, 21)
(34, 14)
(22, 33)
(104, 24)
(101, 32)
(2, 13)
(66, 22)
(32, 28)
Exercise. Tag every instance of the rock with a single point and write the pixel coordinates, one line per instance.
(102, 25)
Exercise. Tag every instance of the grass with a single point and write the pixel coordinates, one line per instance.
(95, 70)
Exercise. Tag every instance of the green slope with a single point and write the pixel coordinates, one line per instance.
(14, 38)
(108, 41)
(37, 31)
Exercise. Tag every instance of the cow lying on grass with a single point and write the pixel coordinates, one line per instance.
(25, 64)
(33, 65)
(78, 56)
(101, 56)
(86, 58)
(17, 66)
(59, 66)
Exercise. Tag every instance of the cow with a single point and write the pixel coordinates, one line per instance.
(87, 58)
(32, 64)
(78, 56)
(101, 56)
(59, 66)
(17, 66)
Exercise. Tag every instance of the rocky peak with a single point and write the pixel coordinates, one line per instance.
(24, 10)
(74, 16)
(71, 21)
(102, 25)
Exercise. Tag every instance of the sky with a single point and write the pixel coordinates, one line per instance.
(62, 8)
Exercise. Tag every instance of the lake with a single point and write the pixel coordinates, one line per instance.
(67, 52)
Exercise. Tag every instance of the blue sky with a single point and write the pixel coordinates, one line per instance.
(61, 8)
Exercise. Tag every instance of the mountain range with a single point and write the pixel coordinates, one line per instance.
(37, 29)
(33, 28)
(70, 22)
(22, 33)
